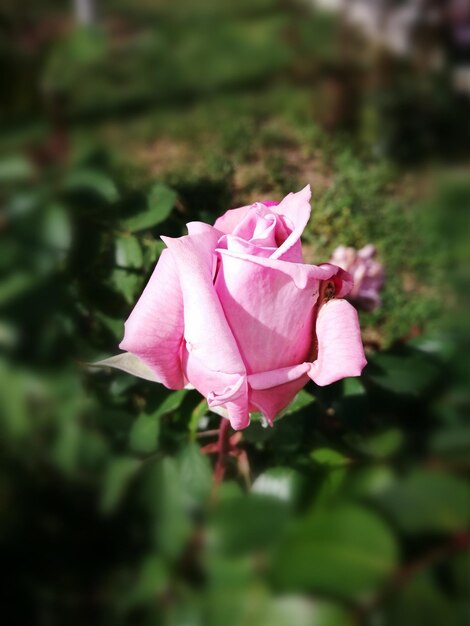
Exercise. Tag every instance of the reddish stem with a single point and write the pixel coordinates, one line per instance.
(223, 445)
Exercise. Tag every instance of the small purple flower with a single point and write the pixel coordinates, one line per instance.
(368, 274)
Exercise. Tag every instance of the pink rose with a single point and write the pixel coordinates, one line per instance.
(233, 310)
(367, 273)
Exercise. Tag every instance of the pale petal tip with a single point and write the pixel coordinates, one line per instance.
(306, 191)
(238, 423)
(323, 376)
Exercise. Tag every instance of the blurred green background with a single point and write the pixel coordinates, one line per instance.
(123, 124)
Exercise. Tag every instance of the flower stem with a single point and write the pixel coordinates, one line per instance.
(223, 445)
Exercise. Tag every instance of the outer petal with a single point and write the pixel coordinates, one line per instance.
(296, 207)
(269, 304)
(199, 228)
(272, 401)
(274, 378)
(340, 350)
(154, 329)
(206, 331)
(235, 399)
(212, 360)
(238, 414)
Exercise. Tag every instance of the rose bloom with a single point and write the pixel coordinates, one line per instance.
(233, 310)
(367, 273)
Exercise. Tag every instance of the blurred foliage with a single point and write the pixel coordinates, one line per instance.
(357, 506)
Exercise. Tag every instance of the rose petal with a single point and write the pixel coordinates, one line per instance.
(230, 219)
(154, 329)
(272, 401)
(259, 233)
(296, 207)
(269, 304)
(205, 328)
(211, 358)
(238, 413)
(273, 378)
(300, 273)
(340, 350)
(258, 224)
(234, 399)
(238, 245)
(342, 280)
(233, 217)
(198, 228)
(230, 393)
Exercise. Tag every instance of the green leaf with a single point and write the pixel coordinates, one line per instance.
(195, 474)
(329, 457)
(334, 466)
(8, 335)
(452, 443)
(380, 446)
(368, 482)
(233, 590)
(87, 180)
(118, 476)
(151, 250)
(199, 411)
(440, 345)
(421, 603)
(248, 523)
(114, 326)
(15, 415)
(127, 284)
(428, 501)
(129, 363)
(94, 450)
(128, 252)
(411, 372)
(171, 402)
(65, 451)
(331, 487)
(352, 406)
(143, 437)
(57, 229)
(173, 526)
(129, 257)
(345, 551)
(160, 203)
(24, 203)
(15, 169)
(15, 286)
(301, 400)
(353, 387)
(152, 579)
